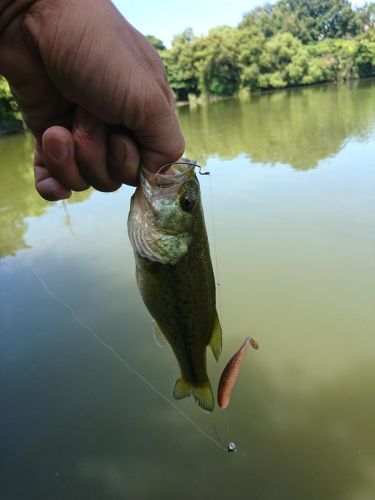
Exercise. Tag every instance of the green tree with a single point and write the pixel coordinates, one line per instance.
(250, 45)
(366, 18)
(365, 57)
(262, 19)
(156, 42)
(282, 62)
(309, 21)
(179, 63)
(320, 19)
(216, 62)
(9, 115)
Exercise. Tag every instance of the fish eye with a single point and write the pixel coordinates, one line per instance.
(187, 203)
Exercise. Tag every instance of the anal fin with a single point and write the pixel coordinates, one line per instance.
(216, 339)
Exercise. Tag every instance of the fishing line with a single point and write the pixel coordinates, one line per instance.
(218, 282)
(113, 351)
(227, 425)
(215, 248)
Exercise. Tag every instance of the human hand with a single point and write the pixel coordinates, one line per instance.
(92, 90)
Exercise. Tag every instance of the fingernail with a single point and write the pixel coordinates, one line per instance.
(57, 148)
(86, 122)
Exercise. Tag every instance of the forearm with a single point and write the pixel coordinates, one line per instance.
(10, 9)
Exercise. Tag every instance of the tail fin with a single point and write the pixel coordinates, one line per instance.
(182, 389)
(204, 397)
(202, 393)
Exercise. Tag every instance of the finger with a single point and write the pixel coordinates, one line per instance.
(123, 159)
(90, 139)
(49, 188)
(59, 158)
(161, 141)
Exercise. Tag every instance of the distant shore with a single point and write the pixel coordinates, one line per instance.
(17, 126)
(244, 93)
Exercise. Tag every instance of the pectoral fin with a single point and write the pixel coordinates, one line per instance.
(158, 335)
(216, 339)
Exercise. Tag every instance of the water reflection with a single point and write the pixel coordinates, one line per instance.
(298, 127)
(321, 434)
(18, 198)
(296, 258)
(311, 445)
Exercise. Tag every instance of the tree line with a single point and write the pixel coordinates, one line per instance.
(10, 118)
(290, 43)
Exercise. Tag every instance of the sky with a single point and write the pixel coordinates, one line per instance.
(166, 18)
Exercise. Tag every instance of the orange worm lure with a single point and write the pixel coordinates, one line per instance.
(230, 373)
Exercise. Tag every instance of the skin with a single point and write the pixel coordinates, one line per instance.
(92, 90)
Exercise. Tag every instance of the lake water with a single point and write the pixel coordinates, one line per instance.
(290, 213)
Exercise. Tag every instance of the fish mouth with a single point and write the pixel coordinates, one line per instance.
(158, 244)
(147, 240)
(170, 174)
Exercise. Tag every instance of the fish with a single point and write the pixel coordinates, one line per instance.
(174, 272)
(230, 373)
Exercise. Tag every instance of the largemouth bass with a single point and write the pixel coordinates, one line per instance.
(174, 271)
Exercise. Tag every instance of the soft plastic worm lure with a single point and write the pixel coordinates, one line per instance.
(230, 373)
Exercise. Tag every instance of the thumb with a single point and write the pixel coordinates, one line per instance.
(160, 141)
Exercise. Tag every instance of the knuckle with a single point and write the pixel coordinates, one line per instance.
(82, 139)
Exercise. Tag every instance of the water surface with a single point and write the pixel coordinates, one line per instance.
(290, 212)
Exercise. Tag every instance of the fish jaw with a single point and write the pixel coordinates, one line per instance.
(148, 240)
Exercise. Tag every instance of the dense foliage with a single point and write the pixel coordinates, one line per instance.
(290, 43)
(9, 115)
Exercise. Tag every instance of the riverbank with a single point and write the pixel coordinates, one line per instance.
(247, 93)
